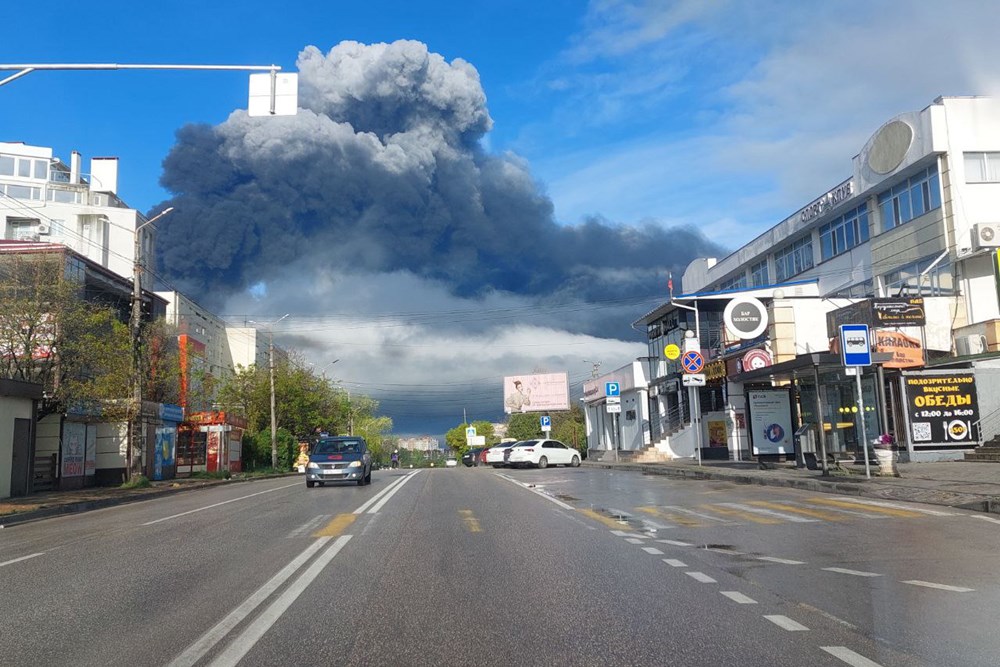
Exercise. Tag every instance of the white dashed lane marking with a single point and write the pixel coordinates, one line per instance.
(941, 587)
(850, 657)
(855, 573)
(652, 550)
(701, 576)
(736, 596)
(786, 623)
(673, 562)
(783, 561)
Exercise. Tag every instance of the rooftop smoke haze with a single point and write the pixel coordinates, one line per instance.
(383, 170)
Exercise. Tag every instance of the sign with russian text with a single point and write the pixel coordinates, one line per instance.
(771, 429)
(899, 312)
(942, 410)
(906, 351)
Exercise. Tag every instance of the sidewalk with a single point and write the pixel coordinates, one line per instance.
(44, 505)
(960, 484)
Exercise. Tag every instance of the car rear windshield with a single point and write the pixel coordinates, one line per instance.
(338, 447)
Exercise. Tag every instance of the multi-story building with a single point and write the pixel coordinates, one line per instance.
(907, 245)
(44, 199)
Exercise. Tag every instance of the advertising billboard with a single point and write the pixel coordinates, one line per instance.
(771, 429)
(536, 393)
(942, 409)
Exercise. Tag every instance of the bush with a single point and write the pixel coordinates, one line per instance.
(137, 482)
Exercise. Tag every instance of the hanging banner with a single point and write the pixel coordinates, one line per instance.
(906, 351)
(771, 429)
(942, 410)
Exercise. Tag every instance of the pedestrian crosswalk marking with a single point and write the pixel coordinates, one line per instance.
(816, 514)
(759, 510)
(850, 504)
(672, 516)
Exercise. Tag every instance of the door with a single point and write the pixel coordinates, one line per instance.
(21, 467)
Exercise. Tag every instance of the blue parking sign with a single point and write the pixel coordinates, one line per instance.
(612, 389)
(546, 421)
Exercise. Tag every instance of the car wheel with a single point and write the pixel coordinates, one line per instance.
(310, 484)
(543, 462)
(497, 465)
(368, 477)
(575, 463)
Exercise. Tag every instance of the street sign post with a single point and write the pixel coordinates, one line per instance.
(614, 408)
(612, 389)
(693, 362)
(855, 351)
(546, 423)
(693, 380)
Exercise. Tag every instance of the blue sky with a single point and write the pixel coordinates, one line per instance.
(722, 115)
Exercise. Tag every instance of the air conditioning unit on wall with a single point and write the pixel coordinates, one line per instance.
(986, 235)
(973, 344)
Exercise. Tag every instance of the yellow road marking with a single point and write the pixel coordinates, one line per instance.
(471, 522)
(816, 514)
(337, 525)
(685, 521)
(606, 520)
(862, 506)
(742, 514)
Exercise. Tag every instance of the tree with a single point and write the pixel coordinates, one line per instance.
(523, 426)
(455, 438)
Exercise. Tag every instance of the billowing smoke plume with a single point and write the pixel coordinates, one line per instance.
(383, 170)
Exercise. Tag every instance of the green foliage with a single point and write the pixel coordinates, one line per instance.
(523, 426)
(455, 438)
(137, 482)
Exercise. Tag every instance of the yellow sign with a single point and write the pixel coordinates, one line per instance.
(671, 352)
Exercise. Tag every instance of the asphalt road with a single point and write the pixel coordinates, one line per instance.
(498, 567)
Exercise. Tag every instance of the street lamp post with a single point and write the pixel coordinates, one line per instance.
(135, 329)
(274, 422)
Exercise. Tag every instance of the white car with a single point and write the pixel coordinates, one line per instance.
(494, 455)
(541, 454)
(451, 462)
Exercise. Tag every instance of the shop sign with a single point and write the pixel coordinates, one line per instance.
(856, 313)
(754, 360)
(899, 312)
(906, 351)
(827, 202)
(745, 317)
(715, 369)
(942, 410)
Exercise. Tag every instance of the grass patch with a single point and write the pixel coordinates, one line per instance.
(137, 482)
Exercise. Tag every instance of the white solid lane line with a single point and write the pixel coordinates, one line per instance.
(204, 644)
(224, 502)
(18, 560)
(701, 576)
(850, 657)
(537, 492)
(786, 623)
(240, 646)
(984, 518)
(855, 573)
(942, 587)
(379, 499)
(736, 596)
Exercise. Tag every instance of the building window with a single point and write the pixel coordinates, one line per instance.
(19, 229)
(920, 279)
(759, 275)
(844, 233)
(910, 199)
(793, 259)
(736, 282)
(982, 167)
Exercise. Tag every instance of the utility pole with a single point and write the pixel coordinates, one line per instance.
(134, 452)
(274, 421)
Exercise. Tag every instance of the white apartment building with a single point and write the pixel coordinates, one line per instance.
(44, 199)
(907, 245)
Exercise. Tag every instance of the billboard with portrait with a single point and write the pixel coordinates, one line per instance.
(536, 393)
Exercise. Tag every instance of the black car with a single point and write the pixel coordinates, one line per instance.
(472, 457)
(339, 459)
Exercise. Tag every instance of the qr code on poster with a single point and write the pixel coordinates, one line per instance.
(921, 431)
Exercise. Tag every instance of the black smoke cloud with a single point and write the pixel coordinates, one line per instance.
(383, 170)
